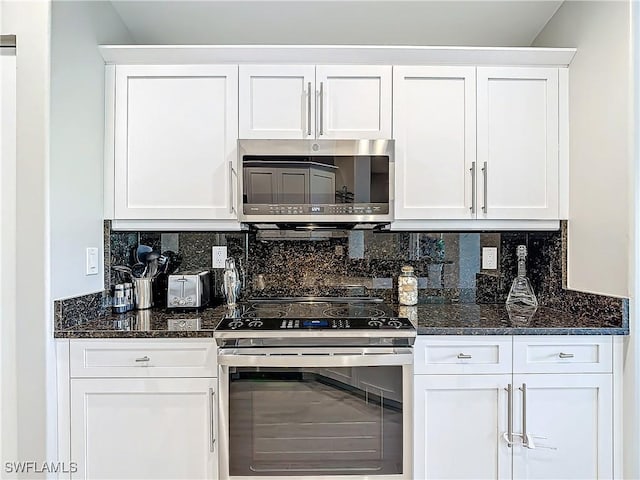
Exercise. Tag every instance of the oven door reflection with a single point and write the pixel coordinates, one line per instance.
(315, 421)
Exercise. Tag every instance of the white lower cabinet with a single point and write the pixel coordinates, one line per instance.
(459, 421)
(143, 409)
(152, 428)
(561, 424)
(569, 418)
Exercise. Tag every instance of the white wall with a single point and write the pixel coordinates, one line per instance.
(77, 130)
(603, 170)
(8, 382)
(600, 141)
(30, 22)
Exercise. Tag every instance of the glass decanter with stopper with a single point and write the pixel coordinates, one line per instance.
(521, 293)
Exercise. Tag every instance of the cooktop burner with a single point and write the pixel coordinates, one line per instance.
(354, 311)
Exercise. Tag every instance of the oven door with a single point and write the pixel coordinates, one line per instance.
(315, 413)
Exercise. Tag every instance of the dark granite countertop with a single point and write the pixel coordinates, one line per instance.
(152, 323)
(493, 319)
(431, 319)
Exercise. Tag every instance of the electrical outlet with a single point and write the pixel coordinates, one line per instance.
(218, 256)
(489, 258)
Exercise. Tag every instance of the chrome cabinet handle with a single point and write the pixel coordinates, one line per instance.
(143, 359)
(321, 108)
(212, 438)
(464, 356)
(232, 172)
(309, 109)
(525, 435)
(508, 435)
(484, 174)
(566, 355)
(473, 187)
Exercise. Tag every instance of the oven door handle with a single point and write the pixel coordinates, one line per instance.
(310, 358)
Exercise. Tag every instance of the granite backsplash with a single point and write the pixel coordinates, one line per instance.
(362, 262)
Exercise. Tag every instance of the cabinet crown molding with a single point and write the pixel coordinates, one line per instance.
(334, 54)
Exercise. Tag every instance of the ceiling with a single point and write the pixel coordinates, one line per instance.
(336, 22)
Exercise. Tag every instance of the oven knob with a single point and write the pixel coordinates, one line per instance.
(283, 324)
(290, 324)
(297, 325)
(347, 324)
(333, 324)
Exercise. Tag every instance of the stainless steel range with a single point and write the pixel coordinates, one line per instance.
(315, 388)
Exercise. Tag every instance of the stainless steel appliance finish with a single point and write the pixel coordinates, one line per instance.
(188, 290)
(317, 389)
(316, 181)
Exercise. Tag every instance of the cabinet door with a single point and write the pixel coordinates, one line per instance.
(277, 101)
(459, 422)
(574, 414)
(435, 132)
(175, 142)
(160, 428)
(518, 143)
(354, 101)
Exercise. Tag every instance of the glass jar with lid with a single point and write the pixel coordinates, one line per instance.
(407, 286)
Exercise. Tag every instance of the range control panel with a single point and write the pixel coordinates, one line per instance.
(315, 323)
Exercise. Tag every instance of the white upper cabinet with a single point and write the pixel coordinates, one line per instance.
(354, 101)
(518, 143)
(175, 142)
(435, 132)
(476, 143)
(304, 101)
(277, 101)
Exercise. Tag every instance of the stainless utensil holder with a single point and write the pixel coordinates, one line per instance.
(143, 292)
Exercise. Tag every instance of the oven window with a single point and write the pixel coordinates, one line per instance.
(315, 421)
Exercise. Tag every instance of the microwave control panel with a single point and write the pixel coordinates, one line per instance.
(333, 209)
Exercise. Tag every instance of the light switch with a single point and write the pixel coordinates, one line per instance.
(92, 261)
(489, 258)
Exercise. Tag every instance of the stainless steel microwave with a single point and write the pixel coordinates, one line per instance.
(316, 181)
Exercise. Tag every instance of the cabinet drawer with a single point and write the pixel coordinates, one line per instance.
(143, 358)
(462, 355)
(562, 354)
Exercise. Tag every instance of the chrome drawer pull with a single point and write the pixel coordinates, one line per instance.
(143, 359)
(464, 356)
(565, 355)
